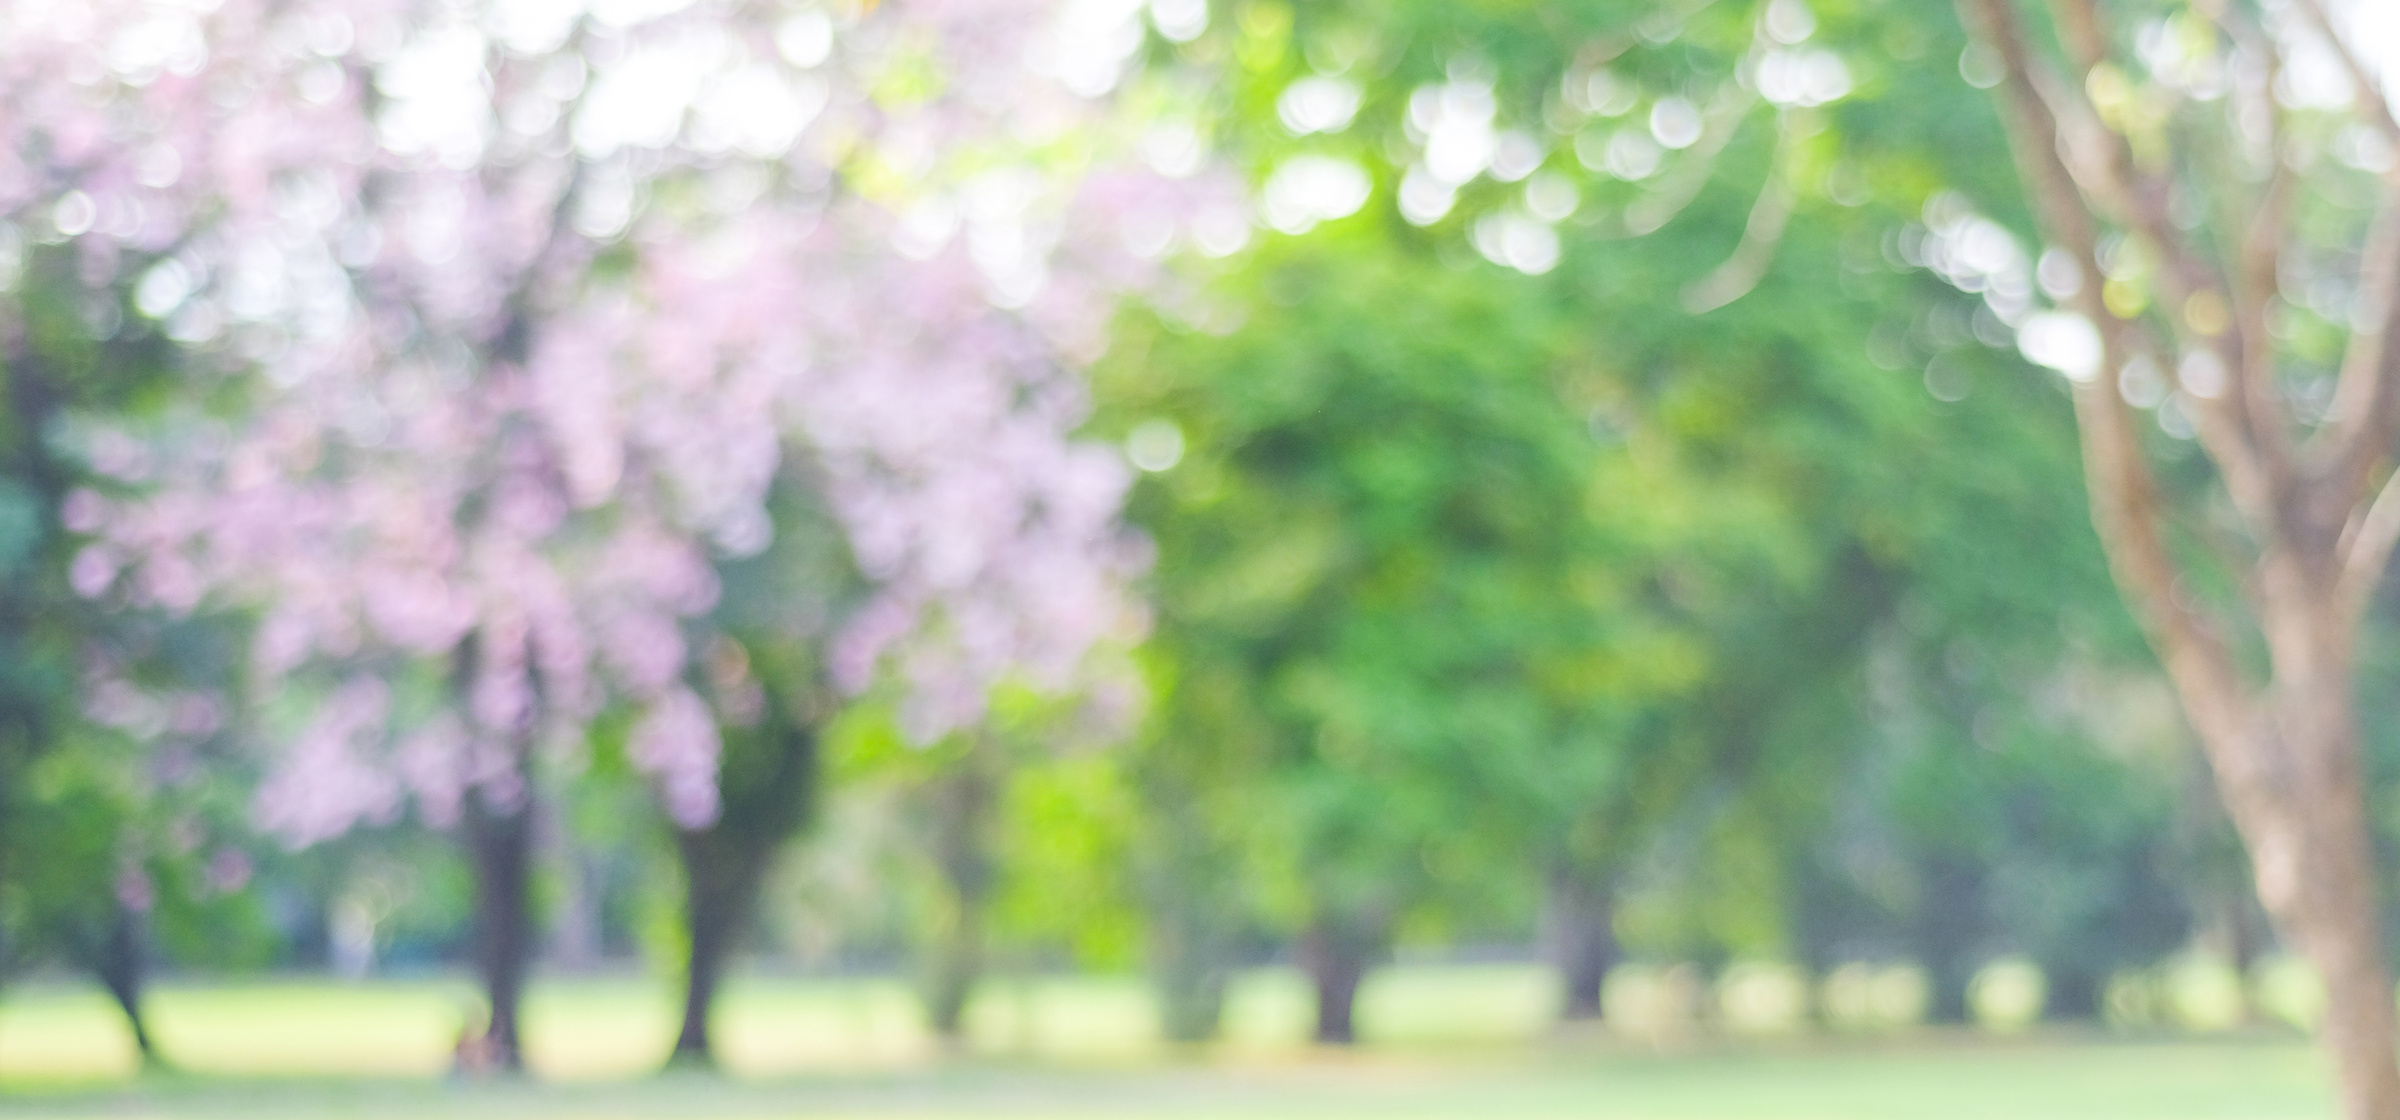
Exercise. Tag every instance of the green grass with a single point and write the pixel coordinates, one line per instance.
(584, 1029)
(1463, 1042)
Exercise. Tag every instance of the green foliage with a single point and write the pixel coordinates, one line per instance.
(119, 795)
(1386, 594)
(1471, 570)
(1764, 612)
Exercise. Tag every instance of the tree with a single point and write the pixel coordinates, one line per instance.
(1386, 606)
(1650, 166)
(2187, 187)
(114, 734)
(1662, 113)
(465, 423)
(939, 533)
(771, 694)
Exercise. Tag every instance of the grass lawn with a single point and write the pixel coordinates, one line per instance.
(1442, 1042)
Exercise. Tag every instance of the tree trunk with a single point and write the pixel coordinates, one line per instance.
(1949, 931)
(721, 888)
(2313, 860)
(2285, 751)
(1192, 886)
(500, 841)
(962, 802)
(1191, 937)
(1191, 982)
(1189, 871)
(957, 965)
(119, 966)
(2245, 942)
(1581, 931)
(1336, 953)
(768, 779)
(2071, 995)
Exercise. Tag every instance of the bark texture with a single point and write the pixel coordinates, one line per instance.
(962, 807)
(1580, 919)
(1950, 925)
(2283, 744)
(1336, 952)
(1194, 912)
(768, 778)
(1191, 884)
(1191, 967)
(118, 963)
(500, 840)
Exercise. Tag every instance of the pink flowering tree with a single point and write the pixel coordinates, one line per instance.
(937, 532)
(504, 320)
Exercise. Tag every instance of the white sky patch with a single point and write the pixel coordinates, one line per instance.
(1790, 21)
(163, 289)
(2063, 341)
(1306, 190)
(1515, 155)
(440, 100)
(925, 227)
(1455, 122)
(2375, 28)
(532, 27)
(1156, 445)
(1975, 254)
(1091, 43)
(2058, 274)
(1675, 123)
(1318, 104)
(163, 41)
(1601, 93)
(1552, 197)
(1173, 150)
(640, 102)
(2372, 29)
(1424, 197)
(626, 13)
(1518, 242)
(805, 40)
(1181, 21)
(1221, 231)
(2202, 374)
(1802, 78)
(1008, 235)
(756, 110)
(1629, 154)
(2312, 76)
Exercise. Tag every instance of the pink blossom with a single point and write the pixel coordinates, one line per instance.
(468, 443)
(676, 742)
(228, 871)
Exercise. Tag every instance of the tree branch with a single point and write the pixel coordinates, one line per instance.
(2123, 491)
(2247, 433)
(1652, 211)
(2366, 549)
(1741, 271)
(2254, 283)
(2365, 415)
(2376, 106)
(2079, 29)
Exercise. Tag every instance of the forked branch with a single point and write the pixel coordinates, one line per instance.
(2126, 507)
(2370, 92)
(2364, 418)
(2367, 549)
(2247, 433)
(1741, 271)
